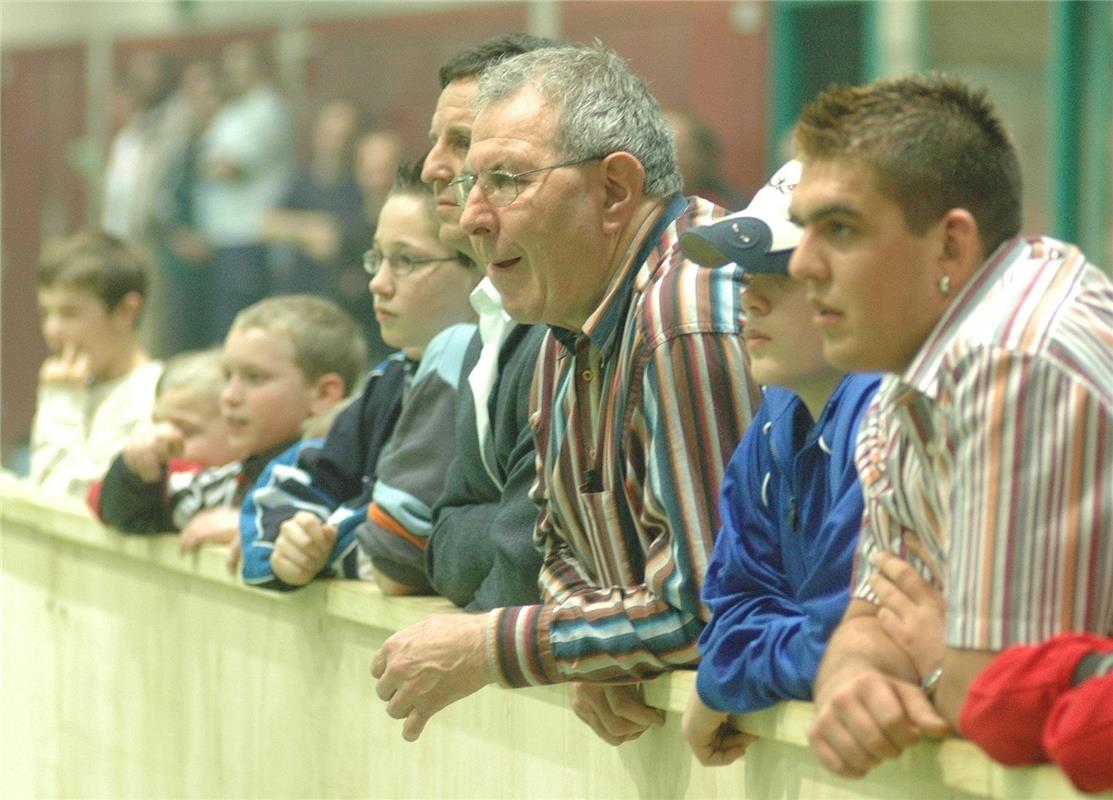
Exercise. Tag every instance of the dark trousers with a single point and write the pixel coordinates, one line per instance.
(239, 277)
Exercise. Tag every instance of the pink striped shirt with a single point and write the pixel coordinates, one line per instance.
(989, 462)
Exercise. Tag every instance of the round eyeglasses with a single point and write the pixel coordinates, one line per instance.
(499, 186)
(401, 264)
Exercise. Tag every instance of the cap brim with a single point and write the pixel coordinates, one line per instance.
(697, 247)
(760, 238)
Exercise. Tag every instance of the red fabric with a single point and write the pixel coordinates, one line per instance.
(92, 497)
(1079, 733)
(1008, 704)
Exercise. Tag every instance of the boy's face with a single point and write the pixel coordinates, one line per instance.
(266, 397)
(412, 309)
(196, 414)
(784, 347)
(78, 321)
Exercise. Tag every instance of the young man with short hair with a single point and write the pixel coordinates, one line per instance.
(987, 456)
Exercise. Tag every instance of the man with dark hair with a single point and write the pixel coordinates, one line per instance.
(987, 456)
(481, 553)
(572, 202)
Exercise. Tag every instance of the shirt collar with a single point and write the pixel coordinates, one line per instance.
(922, 374)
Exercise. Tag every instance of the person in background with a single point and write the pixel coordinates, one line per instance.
(481, 553)
(779, 577)
(183, 252)
(988, 451)
(286, 359)
(306, 230)
(360, 503)
(144, 151)
(244, 168)
(97, 386)
(378, 153)
(571, 197)
(699, 154)
(377, 156)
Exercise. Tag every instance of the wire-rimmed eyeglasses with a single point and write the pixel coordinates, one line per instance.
(401, 264)
(499, 186)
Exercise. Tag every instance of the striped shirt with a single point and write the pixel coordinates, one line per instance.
(989, 462)
(635, 418)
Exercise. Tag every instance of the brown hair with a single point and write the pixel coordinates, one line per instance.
(95, 261)
(932, 142)
(325, 337)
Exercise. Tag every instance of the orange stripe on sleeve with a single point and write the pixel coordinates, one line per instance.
(380, 517)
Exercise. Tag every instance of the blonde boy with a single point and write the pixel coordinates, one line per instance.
(97, 386)
(285, 360)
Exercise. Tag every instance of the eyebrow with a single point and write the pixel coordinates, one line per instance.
(831, 210)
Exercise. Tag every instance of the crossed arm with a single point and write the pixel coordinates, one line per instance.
(869, 705)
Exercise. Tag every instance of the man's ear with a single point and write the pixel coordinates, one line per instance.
(126, 312)
(624, 187)
(962, 248)
(328, 390)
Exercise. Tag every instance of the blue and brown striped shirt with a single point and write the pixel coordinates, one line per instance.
(989, 462)
(636, 418)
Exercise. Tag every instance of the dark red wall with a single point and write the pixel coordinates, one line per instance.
(690, 52)
(42, 111)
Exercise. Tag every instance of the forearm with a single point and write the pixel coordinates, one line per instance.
(605, 635)
(860, 643)
(130, 504)
(460, 554)
(515, 559)
(960, 667)
(749, 664)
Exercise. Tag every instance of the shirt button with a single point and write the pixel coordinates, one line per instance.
(587, 375)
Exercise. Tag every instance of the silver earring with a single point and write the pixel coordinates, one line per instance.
(945, 284)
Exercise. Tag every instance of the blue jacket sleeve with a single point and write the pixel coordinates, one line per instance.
(283, 489)
(767, 636)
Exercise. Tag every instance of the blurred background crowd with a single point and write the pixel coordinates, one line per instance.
(123, 114)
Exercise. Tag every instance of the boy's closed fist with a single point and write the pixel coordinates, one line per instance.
(146, 454)
(302, 549)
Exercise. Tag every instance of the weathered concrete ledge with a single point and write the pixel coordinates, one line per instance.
(130, 670)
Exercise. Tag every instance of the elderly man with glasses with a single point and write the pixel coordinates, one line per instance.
(572, 202)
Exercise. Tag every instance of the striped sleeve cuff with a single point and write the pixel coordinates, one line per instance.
(519, 652)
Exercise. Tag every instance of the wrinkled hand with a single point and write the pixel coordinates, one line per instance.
(430, 665)
(616, 713)
(866, 717)
(302, 548)
(211, 526)
(713, 735)
(68, 368)
(146, 454)
(911, 612)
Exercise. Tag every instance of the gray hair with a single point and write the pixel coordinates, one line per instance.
(601, 107)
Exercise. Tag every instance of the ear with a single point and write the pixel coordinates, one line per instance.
(327, 390)
(961, 253)
(624, 186)
(126, 312)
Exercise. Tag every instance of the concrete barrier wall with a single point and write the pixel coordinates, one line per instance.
(132, 671)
